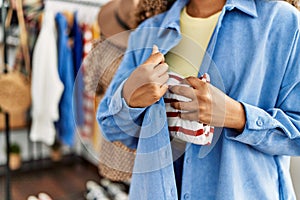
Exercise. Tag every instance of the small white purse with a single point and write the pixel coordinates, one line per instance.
(186, 130)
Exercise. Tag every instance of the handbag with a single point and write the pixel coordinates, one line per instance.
(115, 159)
(15, 84)
(186, 130)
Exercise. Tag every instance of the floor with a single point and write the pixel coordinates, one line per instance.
(66, 180)
(62, 181)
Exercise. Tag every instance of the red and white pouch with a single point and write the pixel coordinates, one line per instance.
(186, 130)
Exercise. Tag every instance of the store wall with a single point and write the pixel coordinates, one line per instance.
(295, 171)
(30, 150)
(19, 137)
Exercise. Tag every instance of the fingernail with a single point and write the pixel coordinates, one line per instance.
(155, 49)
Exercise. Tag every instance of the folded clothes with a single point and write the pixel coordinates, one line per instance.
(186, 130)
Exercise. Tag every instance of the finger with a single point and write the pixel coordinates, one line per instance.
(154, 49)
(163, 89)
(160, 91)
(192, 116)
(196, 83)
(163, 78)
(155, 59)
(183, 91)
(184, 106)
(161, 69)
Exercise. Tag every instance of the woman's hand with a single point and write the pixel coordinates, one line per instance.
(209, 105)
(147, 83)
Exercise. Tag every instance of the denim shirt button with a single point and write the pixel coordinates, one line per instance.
(161, 114)
(186, 196)
(259, 122)
(188, 160)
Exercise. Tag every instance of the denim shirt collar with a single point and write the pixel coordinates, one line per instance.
(246, 6)
(172, 17)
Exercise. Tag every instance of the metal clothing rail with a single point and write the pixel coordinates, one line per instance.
(81, 2)
(7, 132)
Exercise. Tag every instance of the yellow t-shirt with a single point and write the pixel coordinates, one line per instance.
(186, 58)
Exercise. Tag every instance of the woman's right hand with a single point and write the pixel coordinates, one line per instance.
(147, 83)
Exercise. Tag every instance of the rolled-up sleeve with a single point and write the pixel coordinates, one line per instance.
(276, 131)
(119, 122)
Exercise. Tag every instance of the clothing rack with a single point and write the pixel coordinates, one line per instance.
(4, 6)
(81, 2)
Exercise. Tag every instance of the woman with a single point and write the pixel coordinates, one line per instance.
(260, 124)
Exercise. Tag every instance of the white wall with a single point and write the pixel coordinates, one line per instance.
(295, 171)
(21, 138)
(37, 150)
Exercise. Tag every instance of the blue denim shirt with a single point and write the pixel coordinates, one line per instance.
(65, 125)
(255, 51)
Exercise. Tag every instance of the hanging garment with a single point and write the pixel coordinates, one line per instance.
(65, 125)
(76, 34)
(46, 86)
(77, 50)
(96, 30)
(33, 10)
(96, 132)
(87, 130)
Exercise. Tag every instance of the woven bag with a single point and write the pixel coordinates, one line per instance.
(115, 159)
(101, 65)
(14, 92)
(14, 85)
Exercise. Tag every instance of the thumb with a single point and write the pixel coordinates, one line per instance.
(155, 49)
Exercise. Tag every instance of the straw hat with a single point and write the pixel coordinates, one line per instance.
(295, 3)
(117, 16)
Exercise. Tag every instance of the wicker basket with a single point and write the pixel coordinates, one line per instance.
(115, 159)
(101, 65)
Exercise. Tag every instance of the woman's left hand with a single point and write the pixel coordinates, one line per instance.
(209, 105)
